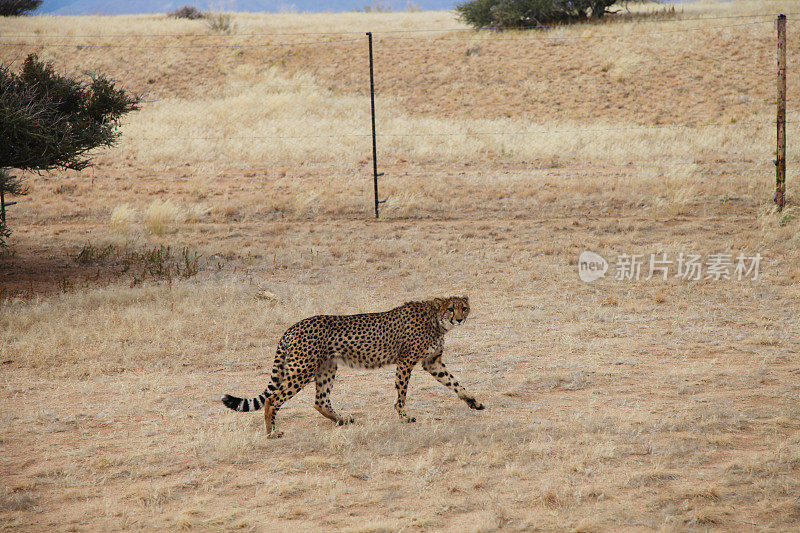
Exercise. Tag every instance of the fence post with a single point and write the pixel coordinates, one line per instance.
(780, 159)
(375, 174)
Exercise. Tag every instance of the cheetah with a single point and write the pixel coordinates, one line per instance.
(313, 348)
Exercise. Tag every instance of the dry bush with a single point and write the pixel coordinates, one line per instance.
(162, 217)
(186, 12)
(220, 22)
(122, 220)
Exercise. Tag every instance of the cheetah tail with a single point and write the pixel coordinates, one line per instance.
(243, 405)
(254, 404)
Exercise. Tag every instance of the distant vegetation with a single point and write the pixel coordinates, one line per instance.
(529, 13)
(217, 21)
(15, 8)
(186, 12)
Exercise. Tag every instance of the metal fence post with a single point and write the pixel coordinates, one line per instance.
(375, 173)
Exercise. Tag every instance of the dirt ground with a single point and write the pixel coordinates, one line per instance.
(617, 405)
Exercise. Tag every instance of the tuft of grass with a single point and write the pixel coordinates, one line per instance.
(780, 228)
(680, 189)
(623, 68)
(123, 219)
(197, 213)
(17, 501)
(65, 188)
(404, 204)
(162, 217)
(92, 254)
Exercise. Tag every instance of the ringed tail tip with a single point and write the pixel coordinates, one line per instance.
(230, 402)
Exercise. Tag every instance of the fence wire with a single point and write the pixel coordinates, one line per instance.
(653, 127)
(182, 47)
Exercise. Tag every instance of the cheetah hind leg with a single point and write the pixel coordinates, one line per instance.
(269, 420)
(324, 379)
(290, 386)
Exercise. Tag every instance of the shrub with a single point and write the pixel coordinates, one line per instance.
(529, 13)
(16, 8)
(186, 12)
(220, 22)
(49, 121)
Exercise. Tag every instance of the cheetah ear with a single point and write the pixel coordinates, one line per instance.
(441, 304)
(465, 298)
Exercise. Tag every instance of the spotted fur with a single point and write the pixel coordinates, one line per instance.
(313, 348)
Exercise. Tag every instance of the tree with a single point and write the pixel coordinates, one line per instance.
(529, 13)
(16, 8)
(49, 121)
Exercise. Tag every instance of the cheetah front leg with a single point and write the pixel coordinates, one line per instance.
(436, 368)
(404, 368)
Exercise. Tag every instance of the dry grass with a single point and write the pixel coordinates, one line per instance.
(611, 406)
(162, 216)
(122, 220)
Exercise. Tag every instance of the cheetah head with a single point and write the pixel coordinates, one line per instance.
(452, 311)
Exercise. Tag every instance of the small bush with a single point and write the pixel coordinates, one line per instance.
(16, 8)
(220, 22)
(529, 13)
(186, 12)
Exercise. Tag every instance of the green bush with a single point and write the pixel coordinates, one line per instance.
(49, 121)
(529, 13)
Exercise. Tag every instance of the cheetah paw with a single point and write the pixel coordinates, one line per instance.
(275, 434)
(475, 404)
(345, 421)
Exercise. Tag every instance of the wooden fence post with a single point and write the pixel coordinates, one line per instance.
(780, 159)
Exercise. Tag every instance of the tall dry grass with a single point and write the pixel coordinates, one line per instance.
(263, 121)
(122, 220)
(162, 216)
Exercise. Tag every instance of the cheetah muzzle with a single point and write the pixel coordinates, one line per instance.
(313, 348)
